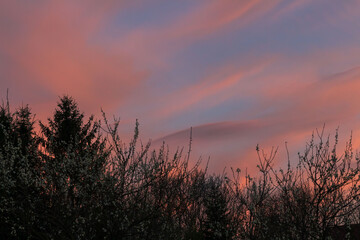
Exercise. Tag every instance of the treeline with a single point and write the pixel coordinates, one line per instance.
(75, 179)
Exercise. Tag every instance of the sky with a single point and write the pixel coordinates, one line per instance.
(239, 73)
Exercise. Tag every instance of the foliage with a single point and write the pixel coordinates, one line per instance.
(77, 179)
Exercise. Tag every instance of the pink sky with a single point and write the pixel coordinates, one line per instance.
(241, 73)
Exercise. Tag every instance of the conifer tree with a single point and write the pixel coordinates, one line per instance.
(6, 123)
(67, 137)
(217, 223)
(75, 159)
(20, 180)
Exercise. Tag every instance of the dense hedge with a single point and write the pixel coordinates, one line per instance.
(76, 179)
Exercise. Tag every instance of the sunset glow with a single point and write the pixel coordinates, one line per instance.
(240, 73)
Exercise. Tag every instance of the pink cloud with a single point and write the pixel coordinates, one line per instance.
(51, 49)
(155, 45)
(51, 45)
(333, 100)
(217, 83)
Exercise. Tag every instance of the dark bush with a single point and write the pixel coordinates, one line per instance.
(77, 179)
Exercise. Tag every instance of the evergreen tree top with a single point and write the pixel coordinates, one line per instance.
(67, 128)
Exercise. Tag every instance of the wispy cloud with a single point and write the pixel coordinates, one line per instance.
(218, 81)
(332, 100)
(204, 20)
(52, 46)
(250, 71)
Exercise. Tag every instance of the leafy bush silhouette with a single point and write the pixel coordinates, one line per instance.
(77, 179)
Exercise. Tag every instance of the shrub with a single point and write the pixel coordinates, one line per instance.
(77, 179)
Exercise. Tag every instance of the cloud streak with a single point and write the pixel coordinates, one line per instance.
(239, 72)
(332, 100)
(52, 46)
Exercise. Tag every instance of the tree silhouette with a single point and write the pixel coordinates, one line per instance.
(218, 222)
(77, 179)
(20, 171)
(75, 158)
